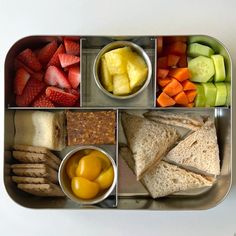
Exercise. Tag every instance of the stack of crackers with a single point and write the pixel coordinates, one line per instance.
(37, 172)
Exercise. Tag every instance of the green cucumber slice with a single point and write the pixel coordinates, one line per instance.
(228, 98)
(221, 94)
(219, 64)
(210, 94)
(200, 99)
(201, 68)
(197, 49)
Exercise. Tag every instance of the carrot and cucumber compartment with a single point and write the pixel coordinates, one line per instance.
(191, 73)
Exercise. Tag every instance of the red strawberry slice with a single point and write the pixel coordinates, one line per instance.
(38, 75)
(74, 76)
(18, 64)
(54, 61)
(21, 79)
(72, 38)
(68, 60)
(73, 91)
(72, 47)
(30, 60)
(46, 53)
(43, 101)
(32, 89)
(56, 77)
(61, 97)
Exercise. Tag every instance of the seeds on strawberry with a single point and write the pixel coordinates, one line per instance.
(54, 61)
(30, 60)
(74, 76)
(56, 77)
(32, 89)
(61, 97)
(68, 60)
(42, 101)
(21, 79)
(46, 53)
(72, 47)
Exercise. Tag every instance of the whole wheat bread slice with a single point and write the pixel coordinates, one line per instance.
(149, 141)
(164, 179)
(199, 151)
(42, 190)
(30, 157)
(185, 120)
(34, 149)
(35, 170)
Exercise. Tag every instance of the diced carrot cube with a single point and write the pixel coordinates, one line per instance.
(162, 62)
(164, 81)
(188, 85)
(173, 88)
(159, 44)
(191, 95)
(162, 73)
(180, 74)
(177, 48)
(172, 60)
(190, 104)
(164, 100)
(182, 61)
(181, 98)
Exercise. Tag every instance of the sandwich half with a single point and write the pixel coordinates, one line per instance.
(149, 141)
(164, 178)
(198, 152)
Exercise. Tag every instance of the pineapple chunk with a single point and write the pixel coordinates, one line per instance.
(106, 78)
(121, 84)
(116, 60)
(137, 70)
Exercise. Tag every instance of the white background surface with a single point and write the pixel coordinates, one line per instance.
(20, 18)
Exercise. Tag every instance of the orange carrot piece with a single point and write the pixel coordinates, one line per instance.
(173, 60)
(177, 48)
(181, 98)
(159, 44)
(165, 101)
(180, 74)
(172, 39)
(162, 62)
(190, 104)
(188, 85)
(191, 95)
(164, 81)
(162, 73)
(182, 61)
(173, 88)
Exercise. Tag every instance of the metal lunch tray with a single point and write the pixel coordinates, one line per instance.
(129, 194)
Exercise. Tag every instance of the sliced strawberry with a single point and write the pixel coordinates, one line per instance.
(32, 89)
(72, 47)
(54, 61)
(21, 79)
(68, 60)
(38, 75)
(74, 76)
(46, 53)
(18, 64)
(56, 77)
(73, 91)
(43, 101)
(72, 38)
(30, 60)
(61, 97)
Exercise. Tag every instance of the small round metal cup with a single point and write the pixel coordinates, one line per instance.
(120, 44)
(65, 182)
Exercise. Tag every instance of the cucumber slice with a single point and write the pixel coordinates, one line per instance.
(210, 94)
(197, 49)
(200, 99)
(219, 64)
(228, 98)
(221, 94)
(201, 68)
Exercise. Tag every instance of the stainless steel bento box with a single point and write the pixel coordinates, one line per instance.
(127, 194)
